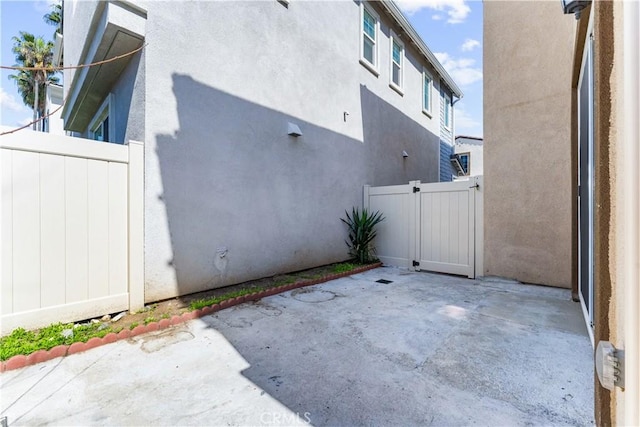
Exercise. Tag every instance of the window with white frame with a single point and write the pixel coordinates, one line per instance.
(101, 126)
(463, 158)
(447, 111)
(427, 85)
(369, 25)
(397, 63)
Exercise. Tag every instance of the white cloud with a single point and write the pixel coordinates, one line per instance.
(469, 45)
(462, 70)
(9, 101)
(457, 10)
(465, 122)
(437, 17)
(44, 6)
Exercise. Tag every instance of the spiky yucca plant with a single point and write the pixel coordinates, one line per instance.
(361, 233)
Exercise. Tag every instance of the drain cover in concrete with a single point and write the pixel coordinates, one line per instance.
(386, 282)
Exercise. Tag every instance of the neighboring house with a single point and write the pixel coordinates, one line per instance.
(467, 157)
(261, 122)
(562, 186)
(54, 123)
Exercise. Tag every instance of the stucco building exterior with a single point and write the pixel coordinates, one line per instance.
(258, 130)
(527, 144)
(470, 155)
(562, 188)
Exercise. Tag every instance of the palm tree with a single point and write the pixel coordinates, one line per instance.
(55, 18)
(33, 51)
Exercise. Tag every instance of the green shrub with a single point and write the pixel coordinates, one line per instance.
(361, 234)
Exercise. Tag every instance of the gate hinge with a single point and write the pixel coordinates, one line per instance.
(416, 189)
(610, 365)
(416, 263)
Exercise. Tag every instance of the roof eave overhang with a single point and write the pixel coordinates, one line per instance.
(116, 29)
(395, 12)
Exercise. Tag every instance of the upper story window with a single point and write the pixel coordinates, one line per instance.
(427, 85)
(100, 131)
(101, 126)
(397, 63)
(447, 111)
(370, 24)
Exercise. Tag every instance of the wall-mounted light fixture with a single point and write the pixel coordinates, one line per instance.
(574, 6)
(405, 154)
(293, 130)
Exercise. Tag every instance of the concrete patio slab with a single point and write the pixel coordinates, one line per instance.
(423, 349)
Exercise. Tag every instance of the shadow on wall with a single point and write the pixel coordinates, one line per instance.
(388, 131)
(245, 200)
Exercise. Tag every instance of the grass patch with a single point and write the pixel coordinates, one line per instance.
(311, 276)
(285, 281)
(201, 303)
(344, 267)
(26, 342)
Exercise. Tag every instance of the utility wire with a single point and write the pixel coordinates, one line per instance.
(72, 67)
(34, 121)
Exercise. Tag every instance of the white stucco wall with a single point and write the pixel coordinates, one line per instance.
(474, 148)
(229, 196)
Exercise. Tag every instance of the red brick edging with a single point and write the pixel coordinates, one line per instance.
(20, 361)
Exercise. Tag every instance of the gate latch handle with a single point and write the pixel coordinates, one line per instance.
(475, 186)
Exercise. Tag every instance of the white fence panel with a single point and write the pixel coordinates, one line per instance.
(435, 227)
(66, 238)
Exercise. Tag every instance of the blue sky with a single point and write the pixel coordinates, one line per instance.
(451, 28)
(16, 16)
(453, 31)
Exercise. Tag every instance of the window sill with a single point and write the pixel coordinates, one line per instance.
(369, 67)
(396, 88)
(427, 113)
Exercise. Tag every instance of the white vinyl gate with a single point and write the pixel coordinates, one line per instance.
(432, 227)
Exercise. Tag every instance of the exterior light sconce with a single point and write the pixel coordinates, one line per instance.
(405, 154)
(293, 130)
(574, 6)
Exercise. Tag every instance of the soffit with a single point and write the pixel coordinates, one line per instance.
(116, 30)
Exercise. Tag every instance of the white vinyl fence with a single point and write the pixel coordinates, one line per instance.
(71, 229)
(434, 227)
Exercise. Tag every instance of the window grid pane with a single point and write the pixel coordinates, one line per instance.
(369, 25)
(464, 162)
(426, 102)
(447, 106)
(396, 53)
(368, 50)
